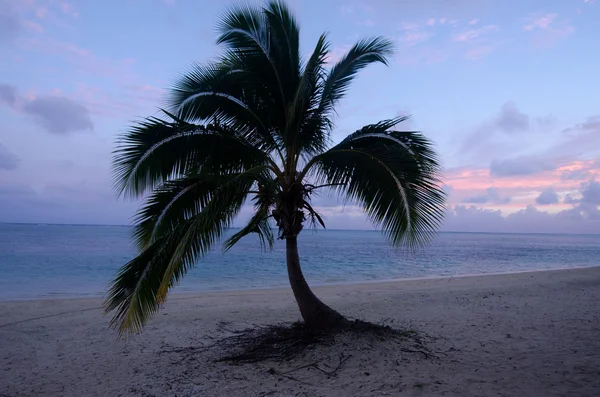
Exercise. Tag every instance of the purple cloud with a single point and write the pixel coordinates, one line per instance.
(547, 197)
(529, 220)
(8, 160)
(511, 120)
(59, 115)
(8, 94)
(590, 192)
(575, 175)
(491, 196)
(473, 34)
(519, 166)
(9, 22)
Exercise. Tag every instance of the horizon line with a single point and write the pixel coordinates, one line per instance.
(314, 229)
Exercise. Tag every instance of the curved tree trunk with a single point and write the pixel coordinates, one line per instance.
(315, 313)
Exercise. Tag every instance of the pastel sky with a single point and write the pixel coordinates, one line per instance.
(508, 90)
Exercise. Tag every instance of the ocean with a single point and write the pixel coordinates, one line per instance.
(62, 261)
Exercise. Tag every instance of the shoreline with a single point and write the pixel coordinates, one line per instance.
(516, 334)
(174, 294)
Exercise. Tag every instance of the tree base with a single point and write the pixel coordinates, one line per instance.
(325, 318)
(285, 342)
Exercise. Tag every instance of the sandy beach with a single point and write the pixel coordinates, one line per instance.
(525, 334)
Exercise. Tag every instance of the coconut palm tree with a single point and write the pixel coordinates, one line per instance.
(254, 127)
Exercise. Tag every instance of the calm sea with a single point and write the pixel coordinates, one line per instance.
(41, 261)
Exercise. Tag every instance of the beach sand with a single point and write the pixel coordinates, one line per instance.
(525, 334)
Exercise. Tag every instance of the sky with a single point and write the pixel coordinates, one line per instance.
(507, 90)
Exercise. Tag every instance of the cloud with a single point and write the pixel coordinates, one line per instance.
(590, 192)
(10, 24)
(546, 122)
(413, 34)
(548, 29)
(8, 94)
(470, 35)
(575, 175)
(520, 166)
(488, 139)
(580, 138)
(590, 124)
(510, 119)
(491, 196)
(579, 219)
(59, 115)
(8, 160)
(547, 197)
(537, 21)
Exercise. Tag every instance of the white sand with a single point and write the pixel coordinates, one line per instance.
(527, 334)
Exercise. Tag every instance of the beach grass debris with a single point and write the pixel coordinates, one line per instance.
(283, 342)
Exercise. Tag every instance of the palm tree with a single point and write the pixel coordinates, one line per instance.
(255, 126)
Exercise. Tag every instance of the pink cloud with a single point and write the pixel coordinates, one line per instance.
(413, 33)
(470, 35)
(42, 12)
(68, 9)
(470, 183)
(548, 28)
(33, 26)
(539, 21)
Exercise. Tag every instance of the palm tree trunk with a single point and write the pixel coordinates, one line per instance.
(315, 313)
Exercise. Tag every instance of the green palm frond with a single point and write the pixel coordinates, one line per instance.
(312, 136)
(393, 175)
(246, 30)
(238, 128)
(142, 284)
(264, 201)
(313, 216)
(175, 201)
(362, 54)
(258, 224)
(156, 150)
(284, 43)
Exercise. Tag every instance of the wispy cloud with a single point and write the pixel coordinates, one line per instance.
(519, 166)
(539, 21)
(478, 39)
(548, 28)
(470, 35)
(414, 33)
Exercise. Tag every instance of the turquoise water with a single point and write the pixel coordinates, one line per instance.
(41, 261)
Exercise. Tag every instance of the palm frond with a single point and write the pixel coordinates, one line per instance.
(310, 137)
(363, 53)
(157, 150)
(284, 43)
(142, 284)
(259, 224)
(232, 93)
(393, 175)
(246, 30)
(313, 216)
(264, 200)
